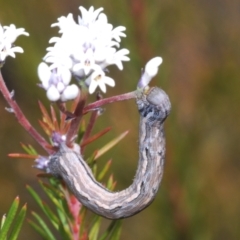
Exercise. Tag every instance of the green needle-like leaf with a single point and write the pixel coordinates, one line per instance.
(52, 217)
(64, 225)
(18, 223)
(32, 150)
(56, 200)
(113, 232)
(116, 230)
(53, 189)
(111, 144)
(82, 214)
(111, 183)
(90, 161)
(94, 168)
(93, 235)
(2, 221)
(34, 195)
(29, 149)
(55, 195)
(104, 170)
(49, 235)
(9, 219)
(38, 229)
(64, 214)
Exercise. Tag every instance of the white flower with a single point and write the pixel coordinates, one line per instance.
(64, 23)
(8, 35)
(11, 33)
(113, 57)
(88, 17)
(99, 79)
(150, 71)
(86, 64)
(69, 93)
(56, 83)
(85, 46)
(53, 94)
(118, 32)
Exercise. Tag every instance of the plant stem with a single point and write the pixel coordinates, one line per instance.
(74, 126)
(92, 121)
(20, 116)
(99, 103)
(81, 110)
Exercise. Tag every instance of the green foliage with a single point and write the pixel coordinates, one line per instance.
(58, 219)
(68, 218)
(62, 217)
(12, 222)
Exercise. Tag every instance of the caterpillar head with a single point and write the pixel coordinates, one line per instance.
(154, 105)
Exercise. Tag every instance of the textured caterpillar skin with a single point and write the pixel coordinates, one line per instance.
(154, 107)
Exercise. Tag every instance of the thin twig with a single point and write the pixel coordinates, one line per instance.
(99, 103)
(74, 126)
(20, 116)
(91, 123)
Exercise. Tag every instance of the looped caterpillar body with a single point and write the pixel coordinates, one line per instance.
(154, 107)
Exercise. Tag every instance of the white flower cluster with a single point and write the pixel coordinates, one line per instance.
(56, 83)
(85, 49)
(8, 35)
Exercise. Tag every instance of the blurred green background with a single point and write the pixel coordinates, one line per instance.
(199, 41)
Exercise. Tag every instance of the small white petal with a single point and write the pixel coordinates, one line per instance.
(150, 71)
(53, 94)
(3, 56)
(102, 86)
(102, 18)
(10, 53)
(96, 13)
(44, 74)
(100, 55)
(118, 33)
(98, 79)
(54, 39)
(119, 57)
(65, 23)
(66, 76)
(151, 67)
(92, 87)
(70, 93)
(109, 81)
(17, 49)
(60, 86)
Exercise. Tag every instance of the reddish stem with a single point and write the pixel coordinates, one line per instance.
(81, 110)
(90, 125)
(74, 126)
(89, 129)
(93, 138)
(20, 116)
(99, 103)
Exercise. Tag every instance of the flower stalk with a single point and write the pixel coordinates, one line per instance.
(20, 116)
(117, 98)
